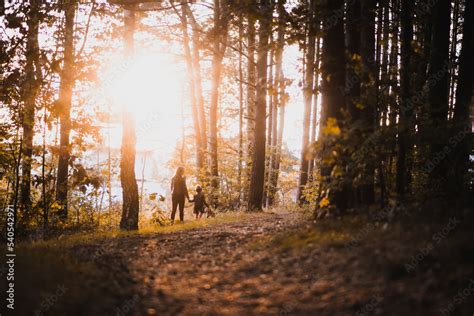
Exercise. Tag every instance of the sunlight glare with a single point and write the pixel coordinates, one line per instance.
(150, 88)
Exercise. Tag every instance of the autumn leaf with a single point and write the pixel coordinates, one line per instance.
(331, 128)
(324, 202)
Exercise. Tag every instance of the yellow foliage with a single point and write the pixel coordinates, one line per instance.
(356, 58)
(331, 127)
(324, 202)
(56, 206)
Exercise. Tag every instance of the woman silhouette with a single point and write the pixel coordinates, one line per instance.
(179, 191)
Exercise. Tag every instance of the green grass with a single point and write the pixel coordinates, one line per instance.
(328, 232)
(85, 238)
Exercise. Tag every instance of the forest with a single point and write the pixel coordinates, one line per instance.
(327, 145)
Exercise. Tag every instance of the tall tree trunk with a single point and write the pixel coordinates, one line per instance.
(352, 88)
(241, 107)
(258, 161)
(369, 91)
(379, 102)
(393, 77)
(64, 109)
(353, 73)
(314, 111)
(251, 92)
(219, 46)
(280, 101)
(130, 207)
(405, 133)
(333, 101)
(198, 83)
(453, 55)
(439, 91)
(270, 115)
(384, 78)
(424, 33)
(308, 97)
(192, 89)
(462, 122)
(30, 92)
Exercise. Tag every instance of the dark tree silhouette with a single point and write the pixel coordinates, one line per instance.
(258, 163)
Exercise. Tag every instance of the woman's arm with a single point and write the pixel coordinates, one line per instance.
(186, 189)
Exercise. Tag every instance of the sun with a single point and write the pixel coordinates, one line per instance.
(149, 87)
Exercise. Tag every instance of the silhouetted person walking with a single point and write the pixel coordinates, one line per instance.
(179, 192)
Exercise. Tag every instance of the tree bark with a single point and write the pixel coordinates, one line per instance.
(280, 100)
(369, 91)
(251, 92)
(405, 122)
(198, 89)
(438, 94)
(384, 75)
(270, 115)
(258, 161)
(462, 121)
(352, 88)
(308, 97)
(393, 76)
(192, 89)
(64, 109)
(30, 92)
(219, 46)
(241, 108)
(130, 207)
(333, 77)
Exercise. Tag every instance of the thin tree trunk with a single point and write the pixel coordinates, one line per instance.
(142, 185)
(130, 207)
(462, 122)
(369, 91)
(308, 97)
(251, 92)
(30, 92)
(453, 55)
(353, 76)
(352, 88)
(381, 100)
(198, 89)
(393, 77)
(270, 119)
(438, 94)
(258, 162)
(314, 111)
(64, 109)
(109, 169)
(279, 103)
(405, 121)
(43, 176)
(241, 107)
(219, 46)
(384, 78)
(192, 89)
(333, 77)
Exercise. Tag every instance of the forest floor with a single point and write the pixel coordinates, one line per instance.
(279, 263)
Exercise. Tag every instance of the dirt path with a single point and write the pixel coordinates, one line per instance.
(241, 268)
(219, 270)
(212, 270)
